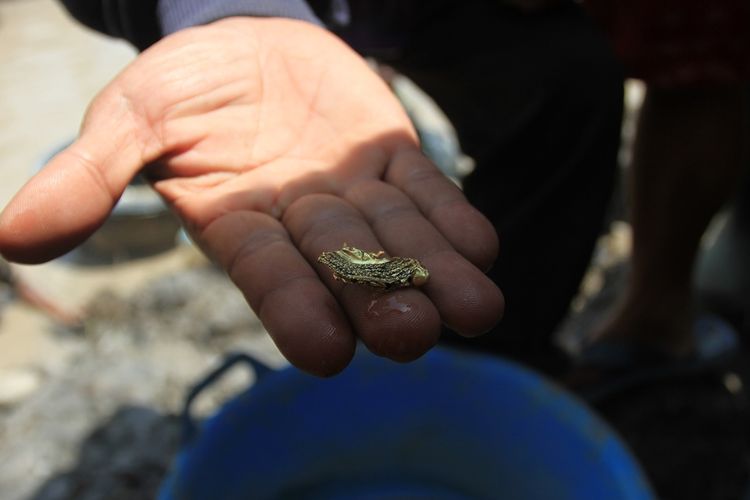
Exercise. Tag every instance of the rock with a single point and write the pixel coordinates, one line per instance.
(17, 384)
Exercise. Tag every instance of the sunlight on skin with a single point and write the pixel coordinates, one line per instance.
(273, 141)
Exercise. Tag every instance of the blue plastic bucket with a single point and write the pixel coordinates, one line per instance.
(450, 425)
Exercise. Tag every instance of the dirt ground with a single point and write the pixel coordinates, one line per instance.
(691, 435)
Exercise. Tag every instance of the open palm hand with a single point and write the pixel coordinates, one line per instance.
(274, 142)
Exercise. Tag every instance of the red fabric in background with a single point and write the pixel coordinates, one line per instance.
(672, 43)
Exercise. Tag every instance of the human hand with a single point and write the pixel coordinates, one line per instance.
(273, 141)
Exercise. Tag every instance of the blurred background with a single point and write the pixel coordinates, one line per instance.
(98, 348)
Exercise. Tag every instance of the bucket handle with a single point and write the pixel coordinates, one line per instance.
(189, 426)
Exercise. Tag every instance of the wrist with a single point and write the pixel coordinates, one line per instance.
(175, 15)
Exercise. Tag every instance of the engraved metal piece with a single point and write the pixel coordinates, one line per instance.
(352, 265)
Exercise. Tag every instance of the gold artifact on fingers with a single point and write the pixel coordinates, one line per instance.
(352, 265)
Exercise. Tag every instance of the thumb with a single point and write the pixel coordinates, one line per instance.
(75, 192)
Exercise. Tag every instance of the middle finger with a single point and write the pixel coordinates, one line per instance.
(400, 324)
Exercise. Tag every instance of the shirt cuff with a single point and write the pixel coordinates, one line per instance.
(175, 15)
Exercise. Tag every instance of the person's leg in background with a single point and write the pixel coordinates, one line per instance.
(687, 164)
(536, 99)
